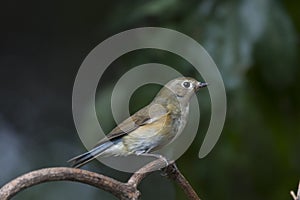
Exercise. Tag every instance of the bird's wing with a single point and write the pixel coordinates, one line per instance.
(137, 120)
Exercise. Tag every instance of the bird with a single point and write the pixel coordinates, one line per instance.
(150, 128)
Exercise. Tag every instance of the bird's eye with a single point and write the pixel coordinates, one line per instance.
(186, 84)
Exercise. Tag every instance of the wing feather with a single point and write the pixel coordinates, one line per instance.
(137, 120)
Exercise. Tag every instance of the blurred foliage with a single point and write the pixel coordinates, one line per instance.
(254, 43)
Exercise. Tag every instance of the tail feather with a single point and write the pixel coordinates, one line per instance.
(82, 159)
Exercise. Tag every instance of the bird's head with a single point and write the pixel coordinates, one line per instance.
(180, 89)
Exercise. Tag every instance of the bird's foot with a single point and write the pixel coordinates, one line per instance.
(159, 157)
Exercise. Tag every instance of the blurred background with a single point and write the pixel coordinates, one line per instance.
(255, 44)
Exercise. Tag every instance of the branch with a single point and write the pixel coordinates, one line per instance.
(171, 171)
(174, 173)
(119, 189)
(139, 175)
(66, 174)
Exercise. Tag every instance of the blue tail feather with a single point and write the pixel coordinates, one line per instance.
(82, 159)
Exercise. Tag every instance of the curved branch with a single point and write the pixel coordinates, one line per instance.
(119, 189)
(139, 175)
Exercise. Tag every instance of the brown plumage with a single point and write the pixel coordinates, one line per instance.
(150, 128)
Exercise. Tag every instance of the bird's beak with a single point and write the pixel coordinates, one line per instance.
(201, 85)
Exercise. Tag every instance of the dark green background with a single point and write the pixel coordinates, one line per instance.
(254, 43)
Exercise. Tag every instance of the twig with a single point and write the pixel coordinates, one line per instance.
(119, 189)
(296, 197)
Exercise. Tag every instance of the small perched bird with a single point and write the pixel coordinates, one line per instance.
(150, 128)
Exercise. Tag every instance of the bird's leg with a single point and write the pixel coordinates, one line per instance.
(157, 156)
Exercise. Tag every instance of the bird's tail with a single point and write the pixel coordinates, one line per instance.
(82, 159)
